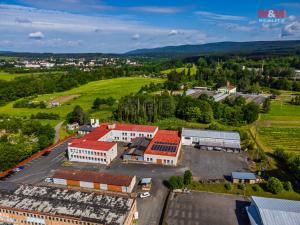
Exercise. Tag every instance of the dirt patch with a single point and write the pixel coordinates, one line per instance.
(63, 99)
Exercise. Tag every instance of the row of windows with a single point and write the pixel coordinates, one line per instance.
(42, 217)
(89, 158)
(165, 161)
(140, 135)
(88, 152)
(149, 159)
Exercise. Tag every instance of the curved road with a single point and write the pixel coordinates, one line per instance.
(57, 127)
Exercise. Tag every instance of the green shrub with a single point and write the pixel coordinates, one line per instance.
(256, 188)
(274, 185)
(187, 177)
(242, 186)
(175, 182)
(288, 186)
(228, 186)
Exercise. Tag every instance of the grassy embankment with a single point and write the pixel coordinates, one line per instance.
(248, 191)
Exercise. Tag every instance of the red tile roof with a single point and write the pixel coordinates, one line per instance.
(93, 145)
(164, 136)
(136, 128)
(91, 176)
(103, 130)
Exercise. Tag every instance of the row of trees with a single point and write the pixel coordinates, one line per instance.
(296, 100)
(149, 108)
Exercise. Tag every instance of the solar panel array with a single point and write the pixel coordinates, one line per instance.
(164, 143)
(164, 146)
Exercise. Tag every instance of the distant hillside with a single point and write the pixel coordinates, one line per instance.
(275, 47)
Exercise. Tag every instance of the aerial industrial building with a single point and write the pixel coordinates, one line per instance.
(271, 211)
(100, 145)
(58, 206)
(211, 139)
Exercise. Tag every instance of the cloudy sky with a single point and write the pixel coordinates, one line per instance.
(122, 25)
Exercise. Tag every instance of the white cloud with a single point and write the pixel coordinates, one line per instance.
(216, 16)
(156, 9)
(291, 29)
(175, 32)
(36, 35)
(135, 37)
(114, 30)
(236, 27)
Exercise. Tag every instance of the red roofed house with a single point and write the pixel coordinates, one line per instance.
(99, 146)
(164, 148)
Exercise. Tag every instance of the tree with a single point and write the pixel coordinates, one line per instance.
(266, 105)
(187, 177)
(288, 186)
(274, 185)
(251, 111)
(78, 115)
(97, 103)
(176, 182)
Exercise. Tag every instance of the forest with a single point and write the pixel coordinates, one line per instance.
(143, 108)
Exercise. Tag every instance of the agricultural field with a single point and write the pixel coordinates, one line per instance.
(179, 70)
(280, 128)
(84, 96)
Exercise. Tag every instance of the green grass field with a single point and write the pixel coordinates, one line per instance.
(179, 70)
(280, 128)
(87, 93)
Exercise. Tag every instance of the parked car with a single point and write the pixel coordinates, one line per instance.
(49, 180)
(145, 195)
(18, 169)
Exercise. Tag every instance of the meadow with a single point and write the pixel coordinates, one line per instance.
(179, 70)
(85, 95)
(280, 127)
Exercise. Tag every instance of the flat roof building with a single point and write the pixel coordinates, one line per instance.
(58, 206)
(271, 211)
(211, 139)
(243, 177)
(95, 180)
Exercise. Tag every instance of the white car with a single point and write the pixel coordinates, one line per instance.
(145, 195)
(49, 180)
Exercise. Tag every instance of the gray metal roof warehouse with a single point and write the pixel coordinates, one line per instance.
(271, 211)
(228, 135)
(223, 139)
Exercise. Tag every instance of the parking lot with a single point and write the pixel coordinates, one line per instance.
(203, 164)
(200, 208)
(212, 164)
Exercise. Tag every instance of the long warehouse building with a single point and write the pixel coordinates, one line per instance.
(58, 206)
(211, 139)
(95, 180)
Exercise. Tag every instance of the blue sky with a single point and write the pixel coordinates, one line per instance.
(119, 26)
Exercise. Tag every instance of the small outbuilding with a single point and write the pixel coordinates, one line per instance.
(243, 177)
(146, 184)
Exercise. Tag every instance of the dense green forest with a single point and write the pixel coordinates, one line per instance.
(248, 75)
(141, 108)
(20, 138)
